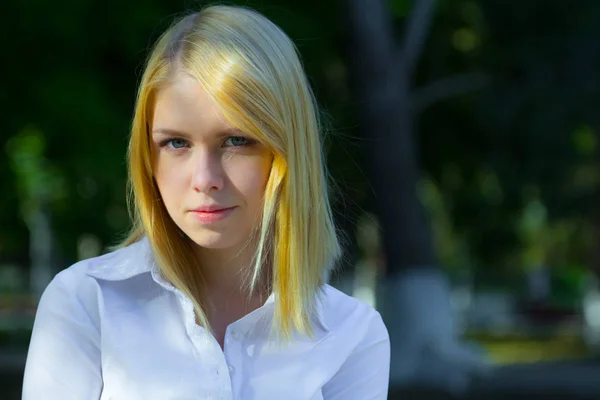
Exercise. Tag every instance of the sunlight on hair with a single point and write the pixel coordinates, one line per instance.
(252, 69)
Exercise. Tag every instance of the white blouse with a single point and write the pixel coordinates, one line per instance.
(111, 328)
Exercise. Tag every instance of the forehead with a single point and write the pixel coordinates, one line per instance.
(184, 104)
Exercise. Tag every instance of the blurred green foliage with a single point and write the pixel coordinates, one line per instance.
(510, 172)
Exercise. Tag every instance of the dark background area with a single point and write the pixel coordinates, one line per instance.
(504, 99)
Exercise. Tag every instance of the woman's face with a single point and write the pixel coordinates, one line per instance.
(211, 176)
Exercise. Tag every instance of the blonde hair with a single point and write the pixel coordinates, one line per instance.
(252, 70)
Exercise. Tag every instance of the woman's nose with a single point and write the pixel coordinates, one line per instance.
(208, 175)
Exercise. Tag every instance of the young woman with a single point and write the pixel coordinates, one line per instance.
(218, 293)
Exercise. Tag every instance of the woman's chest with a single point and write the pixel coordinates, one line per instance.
(149, 352)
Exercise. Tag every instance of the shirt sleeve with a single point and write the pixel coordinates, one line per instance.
(365, 374)
(63, 360)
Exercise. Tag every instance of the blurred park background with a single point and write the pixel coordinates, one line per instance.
(463, 145)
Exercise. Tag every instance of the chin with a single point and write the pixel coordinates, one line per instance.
(215, 241)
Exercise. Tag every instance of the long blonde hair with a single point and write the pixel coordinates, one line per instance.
(252, 70)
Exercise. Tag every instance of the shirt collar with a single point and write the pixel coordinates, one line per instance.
(123, 263)
(137, 259)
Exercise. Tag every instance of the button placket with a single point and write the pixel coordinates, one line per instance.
(234, 343)
(235, 334)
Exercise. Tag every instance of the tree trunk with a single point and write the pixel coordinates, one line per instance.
(384, 96)
(415, 298)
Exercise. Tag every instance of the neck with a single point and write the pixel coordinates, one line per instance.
(229, 272)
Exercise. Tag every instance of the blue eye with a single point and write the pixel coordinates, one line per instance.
(176, 143)
(236, 141)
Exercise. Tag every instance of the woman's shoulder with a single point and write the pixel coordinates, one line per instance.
(79, 281)
(340, 311)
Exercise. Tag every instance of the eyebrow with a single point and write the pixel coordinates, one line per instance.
(170, 132)
(182, 134)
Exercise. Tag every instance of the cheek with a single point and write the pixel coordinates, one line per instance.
(250, 178)
(169, 177)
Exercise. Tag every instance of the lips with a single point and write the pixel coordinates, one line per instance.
(209, 209)
(210, 214)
